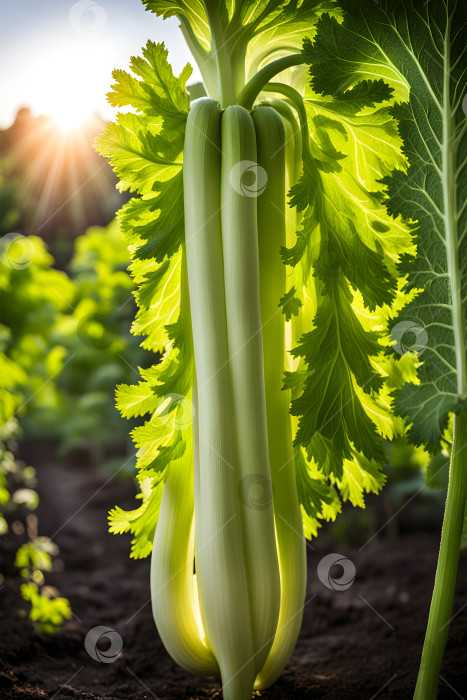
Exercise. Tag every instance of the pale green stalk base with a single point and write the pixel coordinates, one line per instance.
(222, 581)
(174, 606)
(221, 50)
(293, 148)
(446, 572)
(288, 519)
(242, 297)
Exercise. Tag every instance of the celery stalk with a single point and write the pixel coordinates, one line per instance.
(175, 610)
(446, 571)
(222, 581)
(270, 137)
(242, 295)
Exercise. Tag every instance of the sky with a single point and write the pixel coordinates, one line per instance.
(57, 56)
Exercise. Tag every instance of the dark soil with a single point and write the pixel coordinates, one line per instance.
(362, 643)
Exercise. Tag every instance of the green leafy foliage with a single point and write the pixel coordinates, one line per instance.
(35, 556)
(420, 52)
(47, 612)
(67, 336)
(142, 521)
(192, 12)
(17, 480)
(422, 47)
(148, 143)
(12, 375)
(100, 351)
(329, 407)
(32, 298)
(318, 500)
(250, 33)
(344, 257)
(145, 151)
(290, 304)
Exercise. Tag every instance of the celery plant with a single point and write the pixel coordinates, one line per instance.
(268, 309)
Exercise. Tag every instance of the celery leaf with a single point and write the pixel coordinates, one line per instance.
(145, 150)
(421, 49)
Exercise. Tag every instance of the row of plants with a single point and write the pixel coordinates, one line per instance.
(34, 555)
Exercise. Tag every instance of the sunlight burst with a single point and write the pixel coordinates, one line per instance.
(74, 85)
(69, 117)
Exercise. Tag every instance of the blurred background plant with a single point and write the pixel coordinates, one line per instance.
(18, 499)
(69, 336)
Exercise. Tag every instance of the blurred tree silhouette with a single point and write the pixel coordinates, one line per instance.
(60, 184)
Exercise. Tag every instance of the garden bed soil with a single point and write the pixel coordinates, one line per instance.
(360, 643)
